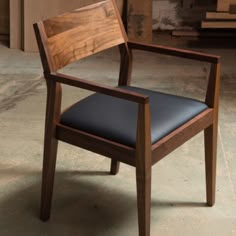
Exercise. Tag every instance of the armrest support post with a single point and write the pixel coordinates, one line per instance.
(213, 88)
(126, 64)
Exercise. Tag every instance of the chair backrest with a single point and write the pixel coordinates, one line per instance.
(69, 37)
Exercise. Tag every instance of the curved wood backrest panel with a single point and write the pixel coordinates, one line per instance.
(83, 32)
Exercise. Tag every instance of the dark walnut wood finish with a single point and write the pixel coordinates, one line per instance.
(69, 37)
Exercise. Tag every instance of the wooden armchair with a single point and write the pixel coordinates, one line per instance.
(126, 124)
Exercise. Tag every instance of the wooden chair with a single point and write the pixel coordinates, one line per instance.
(137, 127)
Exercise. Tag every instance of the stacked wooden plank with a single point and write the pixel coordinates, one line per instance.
(223, 18)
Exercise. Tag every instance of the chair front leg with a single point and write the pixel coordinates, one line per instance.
(143, 169)
(50, 147)
(115, 166)
(143, 181)
(210, 133)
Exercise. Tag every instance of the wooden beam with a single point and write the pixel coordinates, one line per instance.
(140, 20)
(16, 29)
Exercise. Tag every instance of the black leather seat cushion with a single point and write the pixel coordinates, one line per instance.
(116, 119)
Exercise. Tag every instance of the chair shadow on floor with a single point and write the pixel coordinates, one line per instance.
(175, 204)
(81, 205)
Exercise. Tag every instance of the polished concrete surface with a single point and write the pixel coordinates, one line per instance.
(87, 200)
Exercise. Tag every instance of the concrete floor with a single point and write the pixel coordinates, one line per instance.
(87, 201)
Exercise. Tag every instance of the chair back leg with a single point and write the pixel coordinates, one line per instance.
(115, 166)
(49, 163)
(210, 136)
(50, 147)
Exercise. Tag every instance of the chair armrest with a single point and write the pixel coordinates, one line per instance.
(111, 91)
(174, 52)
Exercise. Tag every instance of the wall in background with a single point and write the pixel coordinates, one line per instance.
(167, 14)
(180, 14)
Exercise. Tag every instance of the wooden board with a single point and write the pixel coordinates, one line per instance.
(220, 16)
(88, 29)
(219, 24)
(224, 5)
(4, 17)
(140, 20)
(15, 24)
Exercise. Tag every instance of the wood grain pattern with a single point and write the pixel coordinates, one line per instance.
(81, 17)
(84, 32)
